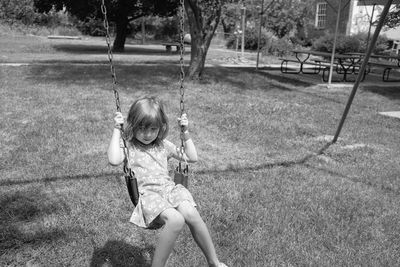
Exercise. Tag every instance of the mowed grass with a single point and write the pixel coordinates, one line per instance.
(267, 194)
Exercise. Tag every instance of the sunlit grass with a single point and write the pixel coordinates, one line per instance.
(268, 198)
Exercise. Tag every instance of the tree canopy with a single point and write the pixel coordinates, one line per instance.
(393, 18)
(92, 8)
(279, 16)
(119, 11)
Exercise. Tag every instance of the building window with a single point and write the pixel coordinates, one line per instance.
(320, 19)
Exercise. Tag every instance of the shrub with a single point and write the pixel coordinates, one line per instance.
(22, 10)
(92, 27)
(345, 44)
(269, 43)
(382, 44)
(307, 35)
(281, 47)
(251, 39)
(167, 29)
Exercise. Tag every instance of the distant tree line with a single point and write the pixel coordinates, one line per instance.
(283, 23)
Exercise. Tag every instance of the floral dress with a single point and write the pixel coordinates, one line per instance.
(157, 190)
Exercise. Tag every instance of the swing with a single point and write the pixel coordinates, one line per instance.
(181, 172)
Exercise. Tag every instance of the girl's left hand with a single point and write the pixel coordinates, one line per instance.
(183, 122)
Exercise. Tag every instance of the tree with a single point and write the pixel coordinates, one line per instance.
(393, 18)
(230, 16)
(283, 17)
(11, 11)
(203, 17)
(121, 12)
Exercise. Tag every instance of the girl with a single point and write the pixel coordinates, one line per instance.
(161, 201)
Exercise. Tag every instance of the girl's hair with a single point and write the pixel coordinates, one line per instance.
(146, 112)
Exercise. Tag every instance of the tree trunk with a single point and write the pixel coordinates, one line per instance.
(198, 55)
(225, 27)
(122, 22)
(120, 38)
(203, 22)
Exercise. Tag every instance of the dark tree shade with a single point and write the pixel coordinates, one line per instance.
(119, 11)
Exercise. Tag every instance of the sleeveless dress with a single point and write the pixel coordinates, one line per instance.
(157, 190)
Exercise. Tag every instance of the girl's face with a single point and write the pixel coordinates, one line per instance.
(146, 135)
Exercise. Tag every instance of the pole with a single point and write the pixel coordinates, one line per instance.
(334, 43)
(243, 28)
(259, 33)
(370, 23)
(363, 67)
(143, 30)
(237, 32)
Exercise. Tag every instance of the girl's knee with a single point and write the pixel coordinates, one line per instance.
(189, 213)
(173, 219)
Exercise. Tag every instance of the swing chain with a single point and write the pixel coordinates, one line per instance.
(182, 51)
(110, 55)
(182, 72)
(127, 169)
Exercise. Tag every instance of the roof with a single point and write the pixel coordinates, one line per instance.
(375, 2)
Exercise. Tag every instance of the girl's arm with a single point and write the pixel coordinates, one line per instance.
(115, 152)
(190, 152)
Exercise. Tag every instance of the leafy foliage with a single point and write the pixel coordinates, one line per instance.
(92, 8)
(269, 42)
(279, 16)
(167, 29)
(284, 17)
(91, 26)
(393, 18)
(23, 10)
(345, 44)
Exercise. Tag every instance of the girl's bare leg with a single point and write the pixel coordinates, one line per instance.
(174, 223)
(199, 231)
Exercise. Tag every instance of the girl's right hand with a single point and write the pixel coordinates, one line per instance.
(118, 120)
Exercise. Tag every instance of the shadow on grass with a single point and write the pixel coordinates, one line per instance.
(286, 163)
(147, 76)
(20, 208)
(285, 79)
(61, 178)
(118, 253)
(86, 49)
(151, 78)
(389, 92)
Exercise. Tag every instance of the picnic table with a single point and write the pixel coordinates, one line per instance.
(344, 63)
(387, 62)
(168, 46)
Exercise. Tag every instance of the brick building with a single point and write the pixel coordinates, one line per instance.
(355, 15)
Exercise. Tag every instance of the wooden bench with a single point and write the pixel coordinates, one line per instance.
(168, 46)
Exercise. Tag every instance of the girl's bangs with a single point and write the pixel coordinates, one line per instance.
(148, 120)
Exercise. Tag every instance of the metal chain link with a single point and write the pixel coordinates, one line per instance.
(110, 55)
(126, 168)
(182, 69)
(182, 51)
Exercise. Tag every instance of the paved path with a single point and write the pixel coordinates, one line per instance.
(394, 114)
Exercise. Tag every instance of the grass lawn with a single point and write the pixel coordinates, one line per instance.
(268, 197)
